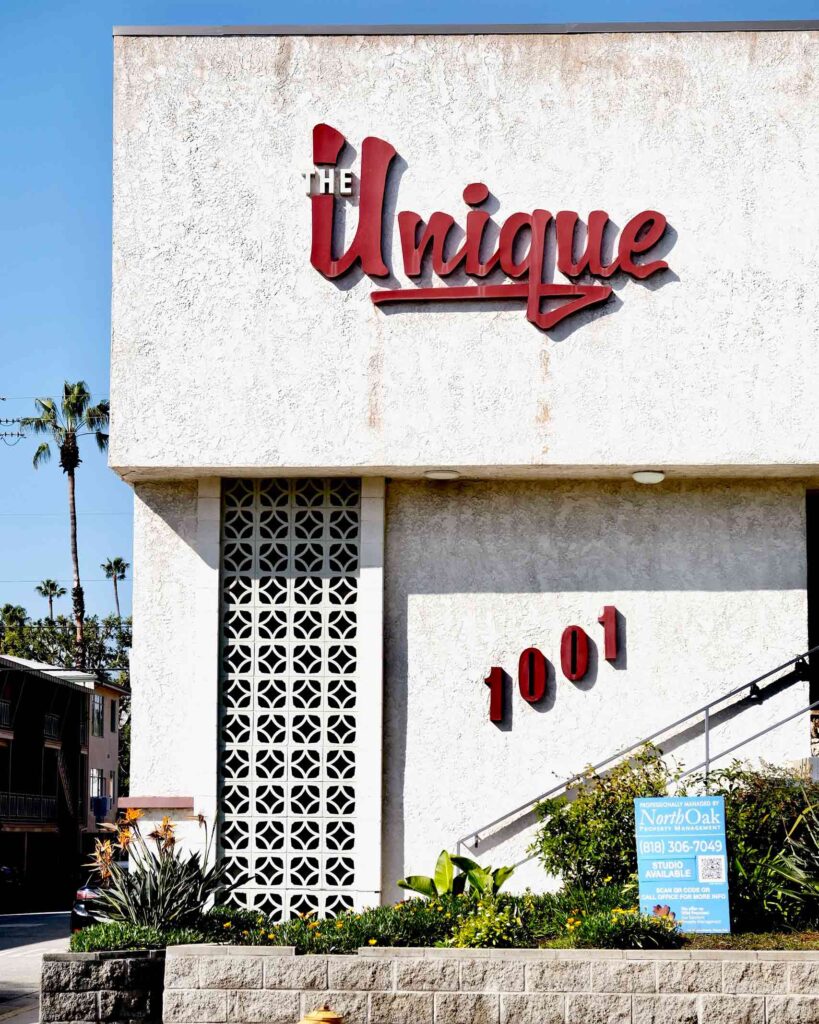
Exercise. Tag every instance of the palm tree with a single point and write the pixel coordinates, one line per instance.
(13, 616)
(75, 417)
(50, 589)
(115, 569)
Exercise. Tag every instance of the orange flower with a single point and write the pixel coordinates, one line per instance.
(164, 833)
(132, 814)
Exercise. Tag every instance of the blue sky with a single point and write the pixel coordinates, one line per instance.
(55, 228)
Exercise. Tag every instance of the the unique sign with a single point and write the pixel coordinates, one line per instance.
(682, 860)
(530, 248)
(533, 668)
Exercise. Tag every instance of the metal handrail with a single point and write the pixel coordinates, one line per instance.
(753, 692)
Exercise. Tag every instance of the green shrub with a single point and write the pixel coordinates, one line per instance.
(490, 925)
(589, 841)
(620, 928)
(415, 922)
(116, 935)
(762, 807)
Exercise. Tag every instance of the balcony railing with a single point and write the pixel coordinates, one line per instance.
(5, 714)
(51, 726)
(28, 807)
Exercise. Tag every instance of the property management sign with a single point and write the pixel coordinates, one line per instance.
(682, 861)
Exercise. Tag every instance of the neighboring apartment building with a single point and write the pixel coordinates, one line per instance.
(398, 568)
(58, 768)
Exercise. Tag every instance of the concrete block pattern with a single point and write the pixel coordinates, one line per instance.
(761, 976)
(130, 1004)
(269, 1007)
(191, 1006)
(559, 976)
(295, 972)
(689, 976)
(68, 1006)
(732, 1010)
(353, 972)
(242, 986)
(466, 1008)
(792, 1009)
(804, 977)
(487, 975)
(182, 972)
(665, 1009)
(230, 972)
(595, 1008)
(426, 975)
(623, 976)
(534, 1008)
(401, 1008)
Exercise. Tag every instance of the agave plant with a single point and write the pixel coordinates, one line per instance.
(445, 881)
(163, 887)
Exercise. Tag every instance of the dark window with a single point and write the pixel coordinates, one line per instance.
(113, 716)
(97, 717)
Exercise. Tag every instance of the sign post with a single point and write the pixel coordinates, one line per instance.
(682, 861)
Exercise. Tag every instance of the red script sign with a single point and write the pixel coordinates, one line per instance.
(529, 270)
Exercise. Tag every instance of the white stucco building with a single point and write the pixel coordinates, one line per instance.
(314, 616)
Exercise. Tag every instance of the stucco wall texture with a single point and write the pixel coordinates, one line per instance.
(706, 367)
(710, 582)
(709, 579)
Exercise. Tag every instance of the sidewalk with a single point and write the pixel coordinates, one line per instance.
(23, 940)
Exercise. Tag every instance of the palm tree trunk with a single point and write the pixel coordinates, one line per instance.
(116, 597)
(76, 590)
(51, 607)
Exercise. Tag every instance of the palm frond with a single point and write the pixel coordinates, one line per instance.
(42, 455)
(96, 416)
(76, 399)
(102, 440)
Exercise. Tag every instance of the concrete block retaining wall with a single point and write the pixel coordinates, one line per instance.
(251, 985)
(107, 987)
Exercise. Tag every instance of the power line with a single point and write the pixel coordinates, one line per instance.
(67, 579)
(59, 515)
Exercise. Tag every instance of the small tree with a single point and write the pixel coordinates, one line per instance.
(50, 589)
(115, 569)
(13, 616)
(75, 417)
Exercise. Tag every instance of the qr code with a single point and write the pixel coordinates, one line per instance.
(711, 869)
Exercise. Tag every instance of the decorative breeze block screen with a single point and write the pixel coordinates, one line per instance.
(288, 685)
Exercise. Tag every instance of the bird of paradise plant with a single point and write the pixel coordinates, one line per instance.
(163, 886)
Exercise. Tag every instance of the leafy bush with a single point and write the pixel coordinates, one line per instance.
(490, 925)
(414, 922)
(163, 888)
(762, 808)
(620, 928)
(111, 935)
(589, 841)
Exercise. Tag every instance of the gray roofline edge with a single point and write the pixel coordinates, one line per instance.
(570, 28)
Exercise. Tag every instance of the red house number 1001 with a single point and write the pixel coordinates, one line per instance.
(533, 667)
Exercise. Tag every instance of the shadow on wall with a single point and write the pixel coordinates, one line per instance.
(667, 745)
(526, 537)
